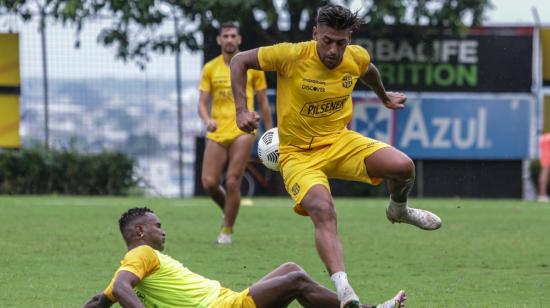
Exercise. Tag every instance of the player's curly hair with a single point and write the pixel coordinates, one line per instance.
(132, 214)
(338, 17)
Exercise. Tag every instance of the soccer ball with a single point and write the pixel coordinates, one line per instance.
(268, 149)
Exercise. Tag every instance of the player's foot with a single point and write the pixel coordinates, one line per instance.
(224, 239)
(416, 217)
(398, 301)
(542, 198)
(348, 298)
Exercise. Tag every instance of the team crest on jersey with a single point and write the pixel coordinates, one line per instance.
(295, 189)
(347, 81)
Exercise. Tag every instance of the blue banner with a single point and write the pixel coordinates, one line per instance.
(450, 128)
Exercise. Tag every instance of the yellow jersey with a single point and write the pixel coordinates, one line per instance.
(313, 102)
(216, 80)
(165, 282)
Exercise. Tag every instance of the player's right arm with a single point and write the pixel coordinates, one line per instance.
(243, 61)
(123, 289)
(204, 99)
(98, 301)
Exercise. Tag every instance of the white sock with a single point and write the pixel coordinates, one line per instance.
(340, 280)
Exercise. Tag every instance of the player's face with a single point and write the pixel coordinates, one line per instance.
(153, 234)
(229, 40)
(331, 44)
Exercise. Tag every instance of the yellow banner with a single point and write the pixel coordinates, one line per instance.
(9, 121)
(9, 60)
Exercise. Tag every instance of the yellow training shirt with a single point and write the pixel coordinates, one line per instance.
(216, 80)
(313, 102)
(165, 282)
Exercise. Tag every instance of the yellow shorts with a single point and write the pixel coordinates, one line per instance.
(344, 159)
(232, 299)
(225, 140)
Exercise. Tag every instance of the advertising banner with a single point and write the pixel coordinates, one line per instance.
(451, 128)
(9, 121)
(10, 83)
(488, 59)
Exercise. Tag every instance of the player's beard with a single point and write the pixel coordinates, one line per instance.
(230, 49)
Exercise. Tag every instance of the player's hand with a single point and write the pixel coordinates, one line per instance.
(211, 125)
(395, 101)
(248, 120)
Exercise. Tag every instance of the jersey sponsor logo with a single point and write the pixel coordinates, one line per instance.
(312, 88)
(220, 80)
(225, 93)
(315, 87)
(313, 81)
(347, 81)
(324, 108)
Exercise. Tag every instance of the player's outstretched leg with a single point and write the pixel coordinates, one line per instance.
(401, 213)
(398, 169)
(398, 301)
(348, 298)
(290, 282)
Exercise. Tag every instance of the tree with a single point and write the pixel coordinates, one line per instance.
(137, 30)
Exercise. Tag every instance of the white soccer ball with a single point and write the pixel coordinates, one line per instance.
(268, 149)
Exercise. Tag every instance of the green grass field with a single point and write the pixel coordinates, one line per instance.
(59, 251)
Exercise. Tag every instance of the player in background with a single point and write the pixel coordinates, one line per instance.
(226, 144)
(315, 80)
(148, 278)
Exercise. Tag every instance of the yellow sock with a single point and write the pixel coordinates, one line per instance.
(227, 230)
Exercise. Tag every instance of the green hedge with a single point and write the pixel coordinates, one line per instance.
(36, 171)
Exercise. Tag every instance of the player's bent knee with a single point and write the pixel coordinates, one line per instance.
(232, 182)
(405, 167)
(299, 280)
(291, 267)
(209, 183)
(323, 211)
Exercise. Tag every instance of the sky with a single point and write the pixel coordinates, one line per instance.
(510, 11)
(98, 61)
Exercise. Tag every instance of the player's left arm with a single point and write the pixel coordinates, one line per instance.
(392, 100)
(98, 301)
(265, 110)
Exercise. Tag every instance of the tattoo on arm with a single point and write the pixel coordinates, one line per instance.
(373, 80)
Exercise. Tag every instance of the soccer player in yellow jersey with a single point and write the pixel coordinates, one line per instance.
(226, 143)
(315, 80)
(149, 278)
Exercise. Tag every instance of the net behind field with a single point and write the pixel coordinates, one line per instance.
(99, 103)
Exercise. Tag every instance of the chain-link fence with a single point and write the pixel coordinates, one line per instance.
(89, 101)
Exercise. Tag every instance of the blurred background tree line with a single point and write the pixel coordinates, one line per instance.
(136, 32)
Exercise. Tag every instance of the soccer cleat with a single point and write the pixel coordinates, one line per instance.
(416, 217)
(224, 239)
(348, 298)
(398, 301)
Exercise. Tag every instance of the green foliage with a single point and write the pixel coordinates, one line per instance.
(35, 171)
(136, 31)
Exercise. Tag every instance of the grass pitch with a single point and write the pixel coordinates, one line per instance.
(59, 251)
